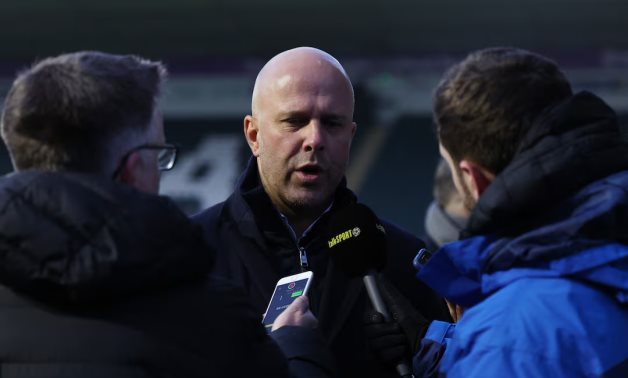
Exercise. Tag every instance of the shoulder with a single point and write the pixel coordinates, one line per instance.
(209, 221)
(522, 311)
(402, 246)
(208, 215)
(540, 325)
(401, 238)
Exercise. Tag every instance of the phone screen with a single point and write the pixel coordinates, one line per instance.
(283, 296)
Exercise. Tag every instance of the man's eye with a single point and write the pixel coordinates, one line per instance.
(333, 123)
(296, 121)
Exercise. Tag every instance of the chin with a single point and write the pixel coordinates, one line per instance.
(310, 203)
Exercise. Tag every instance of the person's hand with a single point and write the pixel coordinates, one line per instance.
(297, 314)
(398, 339)
(386, 339)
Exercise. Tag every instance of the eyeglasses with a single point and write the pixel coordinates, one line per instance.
(166, 156)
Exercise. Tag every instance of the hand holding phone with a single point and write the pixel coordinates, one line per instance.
(286, 291)
(297, 314)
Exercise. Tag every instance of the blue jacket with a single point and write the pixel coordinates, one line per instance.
(543, 269)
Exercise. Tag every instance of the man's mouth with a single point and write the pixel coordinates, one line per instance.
(310, 169)
(309, 172)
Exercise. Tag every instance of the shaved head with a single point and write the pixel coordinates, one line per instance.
(286, 67)
(300, 131)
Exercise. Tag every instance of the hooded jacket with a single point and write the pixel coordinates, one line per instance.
(543, 267)
(100, 280)
(255, 248)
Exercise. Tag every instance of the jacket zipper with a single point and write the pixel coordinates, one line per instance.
(305, 266)
(303, 259)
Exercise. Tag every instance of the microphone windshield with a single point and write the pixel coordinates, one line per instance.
(357, 240)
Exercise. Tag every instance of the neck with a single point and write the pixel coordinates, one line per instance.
(301, 220)
(299, 226)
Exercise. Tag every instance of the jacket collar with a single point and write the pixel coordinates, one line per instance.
(559, 200)
(261, 222)
(258, 214)
(569, 147)
(580, 240)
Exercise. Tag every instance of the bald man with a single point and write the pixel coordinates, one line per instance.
(274, 224)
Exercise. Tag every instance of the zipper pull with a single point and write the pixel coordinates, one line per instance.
(303, 259)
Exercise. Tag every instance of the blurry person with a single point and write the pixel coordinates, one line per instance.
(445, 218)
(446, 215)
(99, 276)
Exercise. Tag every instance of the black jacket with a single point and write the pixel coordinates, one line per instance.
(255, 248)
(100, 280)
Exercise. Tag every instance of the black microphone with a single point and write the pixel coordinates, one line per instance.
(357, 243)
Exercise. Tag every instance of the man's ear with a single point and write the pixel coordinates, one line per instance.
(251, 133)
(129, 171)
(476, 177)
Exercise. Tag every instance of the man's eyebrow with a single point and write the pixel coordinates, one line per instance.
(299, 114)
(293, 113)
(334, 116)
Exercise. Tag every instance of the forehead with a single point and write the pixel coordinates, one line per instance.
(302, 90)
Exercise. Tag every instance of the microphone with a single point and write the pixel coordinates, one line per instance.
(357, 243)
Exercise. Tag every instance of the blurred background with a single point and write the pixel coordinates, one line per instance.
(395, 52)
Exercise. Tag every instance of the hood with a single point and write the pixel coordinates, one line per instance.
(560, 209)
(74, 238)
(572, 145)
(588, 244)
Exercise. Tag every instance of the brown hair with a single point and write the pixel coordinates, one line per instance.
(484, 105)
(65, 112)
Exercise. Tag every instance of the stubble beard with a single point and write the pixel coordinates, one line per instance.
(467, 198)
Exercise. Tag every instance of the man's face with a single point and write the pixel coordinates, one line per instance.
(303, 128)
(462, 186)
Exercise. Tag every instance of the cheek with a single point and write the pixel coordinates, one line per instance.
(340, 151)
(464, 190)
(281, 146)
(459, 184)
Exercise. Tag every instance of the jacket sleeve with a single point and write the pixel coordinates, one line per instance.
(489, 349)
(288, 351)
(481, 361)
(426, 361)
(305, 350)
(489, 362)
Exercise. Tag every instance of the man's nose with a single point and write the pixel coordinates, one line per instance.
(315, 136)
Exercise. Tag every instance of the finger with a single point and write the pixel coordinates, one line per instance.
(300, 305)
(372, 316)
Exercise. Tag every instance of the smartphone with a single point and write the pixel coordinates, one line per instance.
(286, 291)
